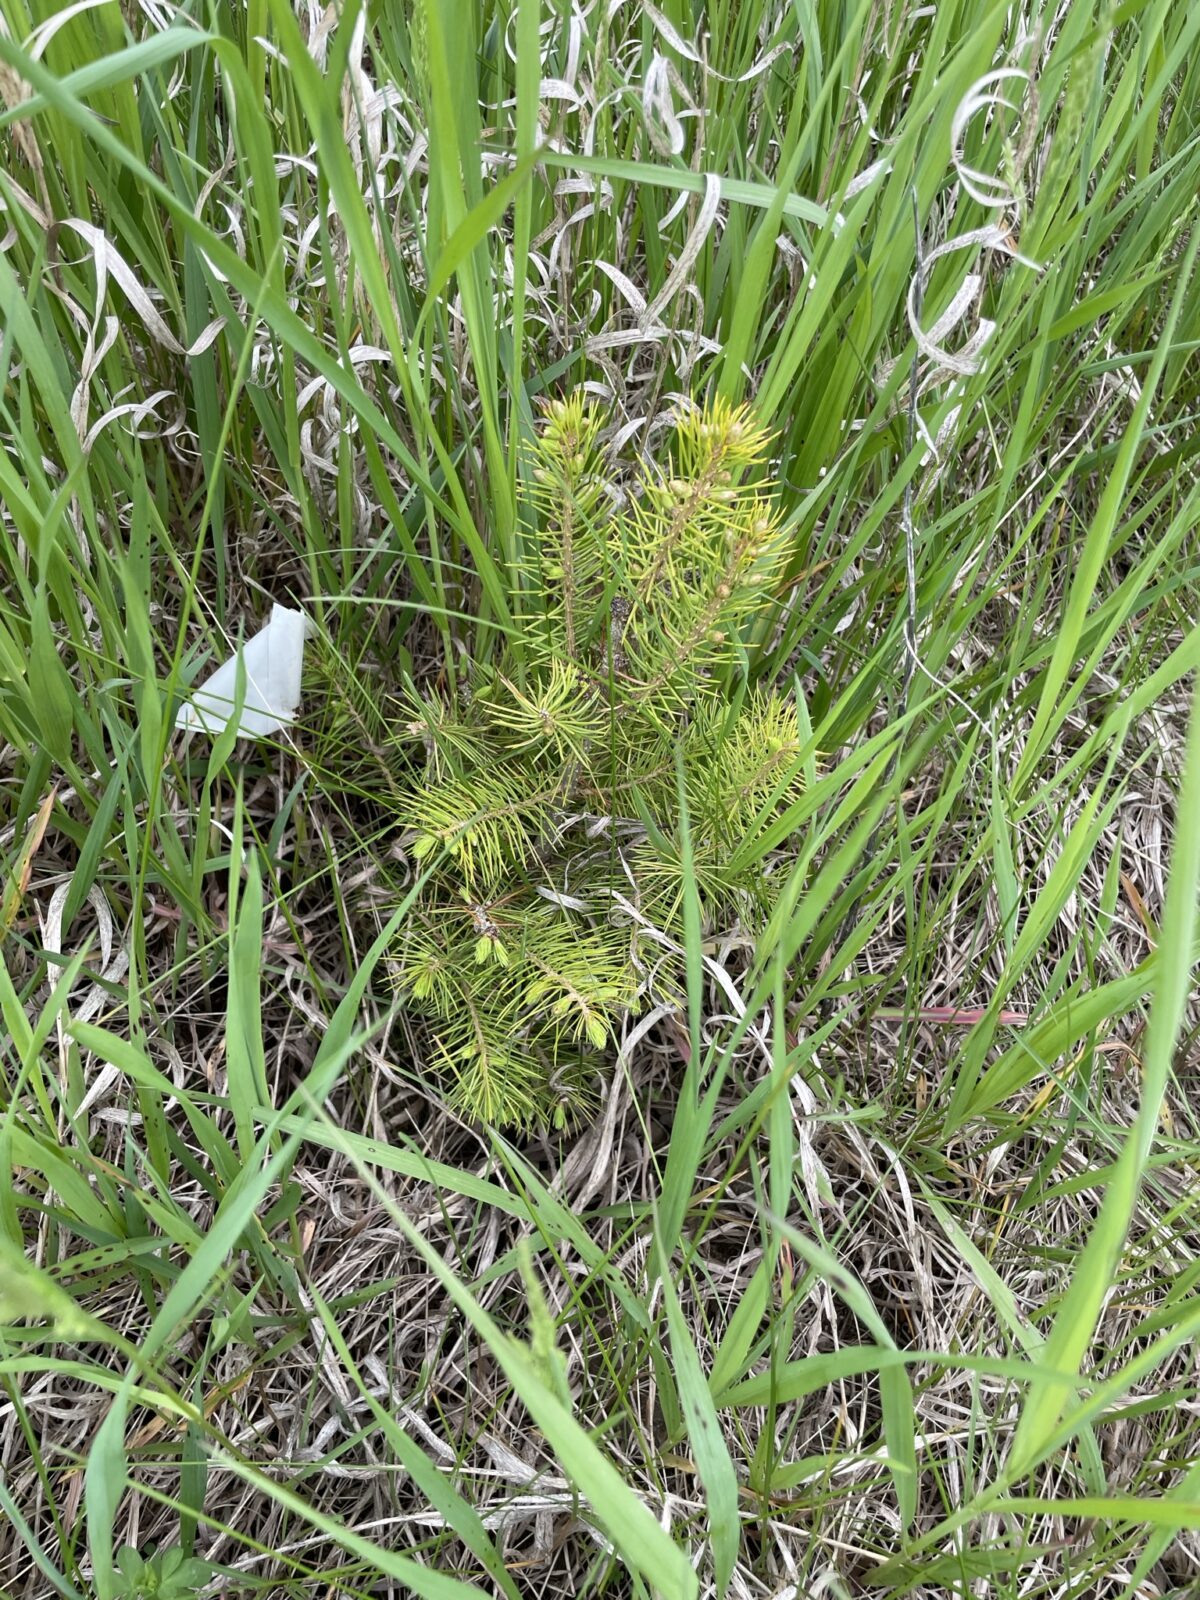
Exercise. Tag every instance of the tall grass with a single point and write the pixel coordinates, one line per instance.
(839, 1292)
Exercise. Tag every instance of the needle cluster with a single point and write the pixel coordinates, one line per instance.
(544, 801)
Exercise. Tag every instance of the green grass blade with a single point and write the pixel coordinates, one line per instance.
(709, 1450)
(1074, 1324)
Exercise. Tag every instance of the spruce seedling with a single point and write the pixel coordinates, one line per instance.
(544, 801)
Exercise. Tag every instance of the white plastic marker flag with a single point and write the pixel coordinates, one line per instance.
(274, 658)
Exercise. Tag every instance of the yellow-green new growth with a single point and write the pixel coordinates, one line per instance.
(547, 797)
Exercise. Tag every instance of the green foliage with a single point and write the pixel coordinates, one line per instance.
(372, 315)
(545, 801)
(165, 1575)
